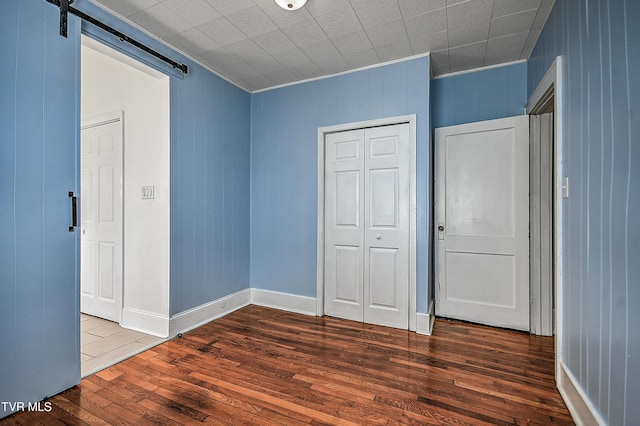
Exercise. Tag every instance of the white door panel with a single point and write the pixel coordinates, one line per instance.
(106, 271)
(87, 276)
(470, 157)
(495, 272)
(347, 188)
(386, 280)
(482, 256)
(383, 201)
(383, 278)
(344, 211)
(348, 277)
(367, 181)
(101, 214)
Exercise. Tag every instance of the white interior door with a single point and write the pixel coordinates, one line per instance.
(101, 220)
(482, 222)
(367, 186)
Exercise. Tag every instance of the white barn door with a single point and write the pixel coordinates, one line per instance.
(367, 187)
(101, 213)
(482, 222)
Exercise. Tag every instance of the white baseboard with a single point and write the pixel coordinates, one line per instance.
(207, 312)
(286, 302)
(425, 321)
(146, 322)
(579, 405)
(195, 317)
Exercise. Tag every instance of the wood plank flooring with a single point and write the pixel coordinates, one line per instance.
(260, 366)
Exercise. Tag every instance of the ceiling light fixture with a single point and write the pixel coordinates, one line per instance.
(291, 4)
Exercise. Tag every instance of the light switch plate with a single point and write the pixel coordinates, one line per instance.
(148, 192)
(565, 187)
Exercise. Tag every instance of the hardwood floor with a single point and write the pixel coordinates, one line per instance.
(261, 366)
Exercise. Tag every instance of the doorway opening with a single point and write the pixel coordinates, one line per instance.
(547, 99)
(541, 229)
(124, 203)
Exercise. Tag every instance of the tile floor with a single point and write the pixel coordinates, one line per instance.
(104, 343)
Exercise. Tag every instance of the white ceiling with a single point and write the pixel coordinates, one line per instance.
(258, 45)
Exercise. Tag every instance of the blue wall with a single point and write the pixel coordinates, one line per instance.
(284, 136)
(481, 95)
(210, 187)
(600, 44)
(39, 131)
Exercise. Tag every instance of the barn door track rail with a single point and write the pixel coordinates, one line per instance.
(66, 8)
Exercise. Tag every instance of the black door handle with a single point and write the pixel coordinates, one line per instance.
(74, 211)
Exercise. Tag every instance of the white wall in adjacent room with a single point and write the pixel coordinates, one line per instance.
(110, 85)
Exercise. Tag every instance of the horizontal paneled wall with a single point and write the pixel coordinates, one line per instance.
(284, 137)
(479, 95)
(600, 44)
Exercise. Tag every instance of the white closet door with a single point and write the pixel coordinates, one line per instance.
(386, 258)
(367, 225)
(344, 224)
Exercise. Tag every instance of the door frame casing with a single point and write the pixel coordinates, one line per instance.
(553, 80)
(87, 123)
(322, 131)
